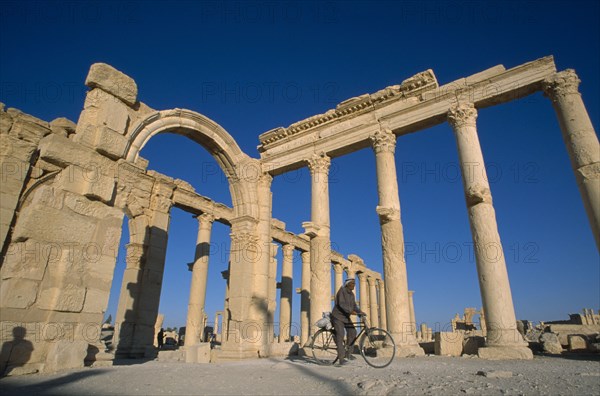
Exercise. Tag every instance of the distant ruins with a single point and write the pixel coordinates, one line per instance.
(66, 188)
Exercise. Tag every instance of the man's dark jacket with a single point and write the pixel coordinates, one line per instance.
(345, 304)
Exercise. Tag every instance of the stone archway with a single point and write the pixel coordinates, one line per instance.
(237, 166)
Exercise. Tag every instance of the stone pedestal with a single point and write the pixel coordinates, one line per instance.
(581, 141)
(392, 241)
(194, 325)
(503, 338)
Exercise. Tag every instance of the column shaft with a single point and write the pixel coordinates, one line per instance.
(363, 293)
(195, 317)
(581, 141)
(373, 302)
(305, 300)
(504, 341)
(320, 244)
(392, 241)
(285, 307)
(339, 277)
(263, 263)
(272, 302)
(413, 320)
(382, 308)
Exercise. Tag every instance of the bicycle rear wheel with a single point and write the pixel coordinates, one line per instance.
(323, 347)
(377, 347)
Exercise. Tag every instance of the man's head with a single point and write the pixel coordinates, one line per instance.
(349, 284)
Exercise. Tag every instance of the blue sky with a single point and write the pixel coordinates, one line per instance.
(253, 66)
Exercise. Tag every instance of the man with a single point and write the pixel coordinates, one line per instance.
(160, 337)
(345, 305)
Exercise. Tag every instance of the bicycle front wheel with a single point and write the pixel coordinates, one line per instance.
(377, 347)
(323, 347)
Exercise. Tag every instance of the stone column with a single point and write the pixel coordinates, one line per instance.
(318, 231)
(581, 141)
(392, 241)
(411, 304)
(260, 297)
(272, 291)
(226, 313)
(339, 277)
(363, 293)
(374, 316)
(503, 341)
(195, 317)
(305, 300)
(127, 307)
(285, 307)
(383, 313)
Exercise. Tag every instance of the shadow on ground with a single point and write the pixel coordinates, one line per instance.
(49, 387)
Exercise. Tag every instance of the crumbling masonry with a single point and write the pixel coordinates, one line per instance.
(66, 188)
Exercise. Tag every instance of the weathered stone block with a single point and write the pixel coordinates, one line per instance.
(96, 300)
(47, 195)
(24, 129)
(6, 122)
(550, 343)
(63, 126)
(448, 343)
(112, 81)
(18, 293)
(8, 200)
(110, 143)
(13, 173)
(16, 149)
(48, 224)
(87, 182)
(199, 353)
(100, 273)
(66, 354)
(577, 342)
(61, 151)
(84, 206)
(67, 298)
(27, 260)
(505, 353)
(472, 344)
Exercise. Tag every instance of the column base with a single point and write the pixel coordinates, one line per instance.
(409, 351)
(505, 353)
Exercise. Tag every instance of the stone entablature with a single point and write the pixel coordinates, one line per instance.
(285, 149)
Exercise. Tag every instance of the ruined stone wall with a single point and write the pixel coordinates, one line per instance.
(66, 188)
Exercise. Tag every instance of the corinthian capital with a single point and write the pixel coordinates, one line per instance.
(205, 218)
(319, 163)
(383, 140)
(561, 84)
(462, 114)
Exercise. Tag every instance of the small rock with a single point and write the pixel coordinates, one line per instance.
(495, 374)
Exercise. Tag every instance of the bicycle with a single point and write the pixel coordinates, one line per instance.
(376, 345)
